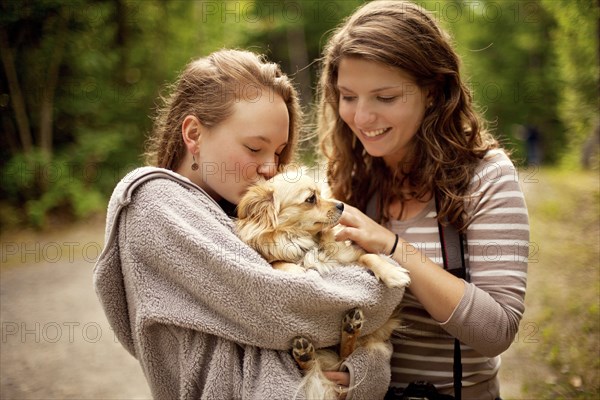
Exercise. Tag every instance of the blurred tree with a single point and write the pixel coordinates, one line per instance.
(574, 45)
(43, 76)
(507, 59)
(79, 79)
(78, 82)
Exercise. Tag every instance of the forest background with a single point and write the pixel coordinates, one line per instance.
(81, 80)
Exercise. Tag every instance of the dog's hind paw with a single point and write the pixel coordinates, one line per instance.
(352, 324)
(303, 351)
(353, 321)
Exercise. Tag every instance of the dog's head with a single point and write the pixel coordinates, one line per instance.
(286, 212)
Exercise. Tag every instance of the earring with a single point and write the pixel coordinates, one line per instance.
(195, 165)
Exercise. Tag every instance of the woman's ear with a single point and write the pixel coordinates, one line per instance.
(191, 130)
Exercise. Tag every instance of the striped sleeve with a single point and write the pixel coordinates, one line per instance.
(487, 318)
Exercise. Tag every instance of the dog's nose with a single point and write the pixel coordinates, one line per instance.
(340, 206)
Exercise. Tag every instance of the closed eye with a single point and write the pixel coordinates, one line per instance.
(388, 99)
(253, 150)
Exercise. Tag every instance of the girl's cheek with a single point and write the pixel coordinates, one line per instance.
(247, 168)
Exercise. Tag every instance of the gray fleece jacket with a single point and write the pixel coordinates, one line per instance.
(205, 315)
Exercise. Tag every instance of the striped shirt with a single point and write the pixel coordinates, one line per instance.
(487, 318)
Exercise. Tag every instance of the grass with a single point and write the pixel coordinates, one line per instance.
(563, 287)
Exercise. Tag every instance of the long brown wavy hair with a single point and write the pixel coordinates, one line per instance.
(208, 88)
(452, 138)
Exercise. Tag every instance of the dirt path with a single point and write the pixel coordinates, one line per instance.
(56, 342)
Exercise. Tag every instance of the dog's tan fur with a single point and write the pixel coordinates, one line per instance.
(289, 222)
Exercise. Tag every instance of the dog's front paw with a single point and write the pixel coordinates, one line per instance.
(396, 277)
(303, 351)
(288, 267)
(353, 321)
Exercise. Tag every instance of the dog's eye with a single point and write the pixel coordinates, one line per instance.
(312, 199)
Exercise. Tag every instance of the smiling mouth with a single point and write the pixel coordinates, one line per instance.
(375, 133)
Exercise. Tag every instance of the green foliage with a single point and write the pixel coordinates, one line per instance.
(117, 56)
(91, 72)
(65, 185)
(508, 61)
(575, 48)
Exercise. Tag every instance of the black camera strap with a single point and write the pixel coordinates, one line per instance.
(456, 259)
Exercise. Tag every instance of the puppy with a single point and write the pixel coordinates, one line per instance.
(289, 222)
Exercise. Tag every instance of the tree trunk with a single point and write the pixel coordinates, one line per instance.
(47, 102)
(121, 39)
(17, 99)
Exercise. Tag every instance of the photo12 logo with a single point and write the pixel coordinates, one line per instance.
(50, 252)
(52, 332)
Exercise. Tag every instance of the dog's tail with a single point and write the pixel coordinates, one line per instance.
(314, 384)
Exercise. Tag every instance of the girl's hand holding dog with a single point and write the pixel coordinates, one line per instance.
(365, 232)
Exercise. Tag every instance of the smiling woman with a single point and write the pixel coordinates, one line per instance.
(382, 105)
(409, 153)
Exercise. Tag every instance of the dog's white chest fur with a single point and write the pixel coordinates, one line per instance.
(329, 253)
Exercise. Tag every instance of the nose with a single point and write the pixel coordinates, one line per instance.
(363, 114)
(340, 206)
(267, 170)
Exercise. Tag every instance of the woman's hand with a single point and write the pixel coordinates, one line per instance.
(342, 379)
(365, 232)
(436, 289)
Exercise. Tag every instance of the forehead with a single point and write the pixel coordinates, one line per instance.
(361, 73)
(265, 117)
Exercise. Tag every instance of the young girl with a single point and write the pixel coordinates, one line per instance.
(203, 313)
(399, 130)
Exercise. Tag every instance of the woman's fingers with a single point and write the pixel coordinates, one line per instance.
(339, 378)
(365, 232)
(346, 233)
(349, 217)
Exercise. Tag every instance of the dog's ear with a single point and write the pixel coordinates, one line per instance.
(258, 205)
